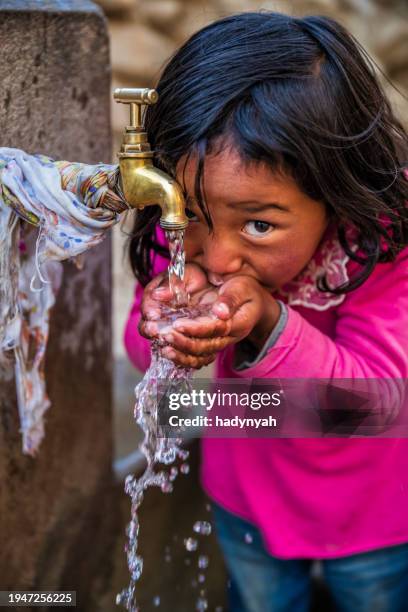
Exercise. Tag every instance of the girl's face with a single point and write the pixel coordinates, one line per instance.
(264, 226)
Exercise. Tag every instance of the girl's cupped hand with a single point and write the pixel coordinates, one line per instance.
(240, 308)
(154, 323)
(157, 293)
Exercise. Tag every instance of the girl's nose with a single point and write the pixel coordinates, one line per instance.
(220, 257)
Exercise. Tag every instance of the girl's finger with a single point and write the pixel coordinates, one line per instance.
(150, 310)
(186, 361)
(195, 278)
(162, 293)
(207, 297)
(159, 280)
(148, 329)
(154, 293)
(233, 294)
(196, 346)
(202, 327)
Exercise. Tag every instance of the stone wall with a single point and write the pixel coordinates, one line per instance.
(57, 511)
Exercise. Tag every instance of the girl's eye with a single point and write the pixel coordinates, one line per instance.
(258, 228)
(190, 215)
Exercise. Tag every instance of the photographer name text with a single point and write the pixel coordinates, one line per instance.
(234, 422)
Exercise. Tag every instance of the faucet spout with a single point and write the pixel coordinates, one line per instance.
(142, 183)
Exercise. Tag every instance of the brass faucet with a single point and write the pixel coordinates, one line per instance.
(142, 183)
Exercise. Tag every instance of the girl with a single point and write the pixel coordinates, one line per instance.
(292, 165)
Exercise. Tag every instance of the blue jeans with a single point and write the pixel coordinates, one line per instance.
(375, 581)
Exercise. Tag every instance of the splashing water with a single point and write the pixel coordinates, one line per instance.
(202, 561)
(202, 527)
(184, 468)
(201, 604)
(155, 446)
(173, 474)
(176, 268)
(190, 544)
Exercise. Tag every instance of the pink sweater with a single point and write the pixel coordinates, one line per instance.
(317, 498)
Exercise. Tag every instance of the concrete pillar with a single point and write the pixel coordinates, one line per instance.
(57, 519)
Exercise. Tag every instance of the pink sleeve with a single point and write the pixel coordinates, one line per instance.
(137, 347)
(371, 337)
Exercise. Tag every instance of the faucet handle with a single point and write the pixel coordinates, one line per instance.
(136, 98)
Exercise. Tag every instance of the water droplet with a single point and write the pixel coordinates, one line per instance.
(208, 507)
(156, 601)
(202, 527)
(132, 530)
(136, 567)
(173, 473)
(201, 578)
(184, 468)
(167, 558)
(166, 487)
(249, 538)
(190, 544)
(219, 609)
(183, 454)
(202, 561)
(201, 604)
(131, 486)
(194, 583)
(187, 561)
(129, 480)
(167, 456)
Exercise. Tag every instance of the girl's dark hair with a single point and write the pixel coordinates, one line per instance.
(301, 95)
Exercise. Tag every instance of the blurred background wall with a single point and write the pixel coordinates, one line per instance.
(144, 34)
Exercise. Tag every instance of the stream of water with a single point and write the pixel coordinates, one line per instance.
(157, 448)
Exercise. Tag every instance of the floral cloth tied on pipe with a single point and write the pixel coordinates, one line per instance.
(70, 205)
